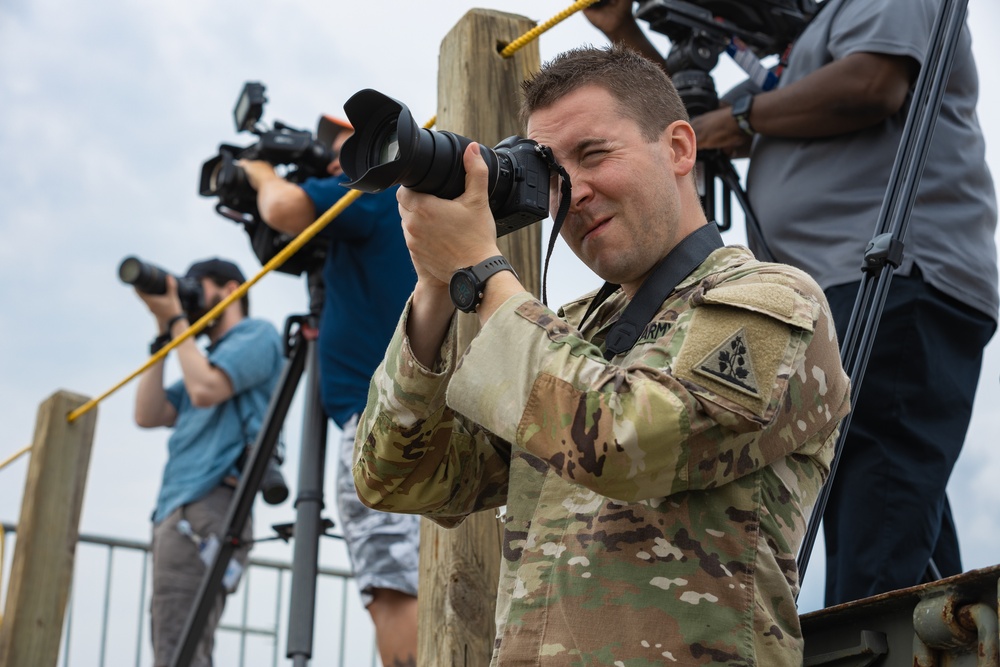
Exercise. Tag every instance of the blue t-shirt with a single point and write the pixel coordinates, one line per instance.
(206, 442)
(368, 276)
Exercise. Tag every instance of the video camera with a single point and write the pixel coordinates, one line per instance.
(296, 150)
(388, 148)
(701, 30)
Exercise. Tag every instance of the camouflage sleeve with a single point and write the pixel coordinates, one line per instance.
(413, 454)
(687, 407)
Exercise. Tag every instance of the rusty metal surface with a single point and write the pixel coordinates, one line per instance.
(946, 623)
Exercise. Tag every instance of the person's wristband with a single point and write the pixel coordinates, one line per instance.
(160, 341)
(172, 321)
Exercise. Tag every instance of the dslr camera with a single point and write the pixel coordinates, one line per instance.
(151, 279)
(388, 148)
(297, 151)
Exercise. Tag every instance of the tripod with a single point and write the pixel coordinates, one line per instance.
(712, 165)
(300, 341)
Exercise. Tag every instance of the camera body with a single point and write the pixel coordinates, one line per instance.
(388, 148)
(296, 150)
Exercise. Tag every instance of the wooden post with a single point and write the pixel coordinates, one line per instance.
(47, 534)
(478, 97)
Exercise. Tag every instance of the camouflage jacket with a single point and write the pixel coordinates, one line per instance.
(655, 503)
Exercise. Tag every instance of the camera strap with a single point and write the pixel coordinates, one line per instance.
(684, 258)
(241, 461)
(565, 194)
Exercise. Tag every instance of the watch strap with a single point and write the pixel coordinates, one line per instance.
(164, 338)
(741, 112)
(490, 267)
(480, 273)
(159, 343)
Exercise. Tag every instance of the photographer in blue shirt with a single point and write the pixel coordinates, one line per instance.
(367, 276)
(215, 411)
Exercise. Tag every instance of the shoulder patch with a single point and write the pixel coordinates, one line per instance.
(740, 355)
(731, 364)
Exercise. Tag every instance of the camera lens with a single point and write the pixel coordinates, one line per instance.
(130, 270)
(143, 276)
(388, 148)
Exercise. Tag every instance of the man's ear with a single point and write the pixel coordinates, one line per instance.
(683, 146)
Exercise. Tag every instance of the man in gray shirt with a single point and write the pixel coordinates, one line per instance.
(822, 145)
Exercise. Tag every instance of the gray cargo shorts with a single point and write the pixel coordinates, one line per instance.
(383, 546)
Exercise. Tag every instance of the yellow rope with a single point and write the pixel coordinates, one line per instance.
(299, 241)
(538, 30)
(15, 456)
(294, 245)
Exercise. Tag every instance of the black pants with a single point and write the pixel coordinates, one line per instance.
(888, 514)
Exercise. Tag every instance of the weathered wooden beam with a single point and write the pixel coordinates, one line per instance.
(478, 97)
(47, 533)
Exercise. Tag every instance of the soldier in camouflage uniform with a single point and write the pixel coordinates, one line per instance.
(656, 501)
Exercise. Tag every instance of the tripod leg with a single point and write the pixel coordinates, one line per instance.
(239, 510)
(308, 522)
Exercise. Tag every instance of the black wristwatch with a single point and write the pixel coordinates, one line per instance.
(467, 285)
(741, 112)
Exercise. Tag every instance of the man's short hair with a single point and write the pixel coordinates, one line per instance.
(643, 91)
(220, 272)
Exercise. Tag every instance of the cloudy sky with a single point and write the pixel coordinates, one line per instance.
(107, 112)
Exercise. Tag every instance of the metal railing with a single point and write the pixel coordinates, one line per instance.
(107, 617)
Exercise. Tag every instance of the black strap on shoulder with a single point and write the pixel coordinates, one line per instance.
(685, 257)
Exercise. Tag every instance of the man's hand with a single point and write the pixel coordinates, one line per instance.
(613, 17)
(718, 130)
(163, 306)
(282, 205)
(258, 172)
(446, 235)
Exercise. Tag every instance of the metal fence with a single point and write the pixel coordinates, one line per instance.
(107, 619)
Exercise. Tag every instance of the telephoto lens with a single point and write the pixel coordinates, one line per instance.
(145, 277)
(388, 148)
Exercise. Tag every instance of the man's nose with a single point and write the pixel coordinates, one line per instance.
(581, 192)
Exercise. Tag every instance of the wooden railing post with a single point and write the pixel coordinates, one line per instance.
(478, 97)
(47, 533)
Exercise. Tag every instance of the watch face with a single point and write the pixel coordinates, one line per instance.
(463, 290)
(741, 107)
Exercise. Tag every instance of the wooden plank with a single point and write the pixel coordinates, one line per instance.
(478, 97)
(47, 533)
